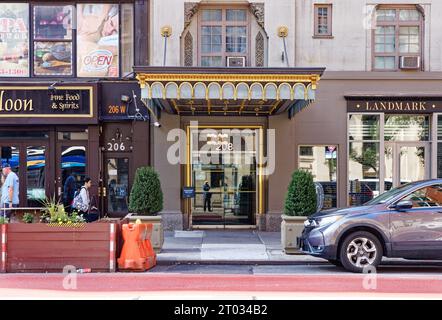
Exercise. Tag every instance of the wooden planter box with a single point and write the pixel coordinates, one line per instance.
(45, 248)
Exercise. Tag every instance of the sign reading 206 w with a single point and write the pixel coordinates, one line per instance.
(63, 101)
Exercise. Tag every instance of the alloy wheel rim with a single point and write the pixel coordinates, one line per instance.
(361, 252)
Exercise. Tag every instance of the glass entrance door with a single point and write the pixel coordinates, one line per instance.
(117, 185)
(71, 170)
(224, 175)
(406, 162)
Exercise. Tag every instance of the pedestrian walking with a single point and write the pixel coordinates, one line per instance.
(10, 190)
(82, 202)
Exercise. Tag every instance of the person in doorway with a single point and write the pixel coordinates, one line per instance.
(90, 213)
(207, 196)
(69, 188)
(10, 189)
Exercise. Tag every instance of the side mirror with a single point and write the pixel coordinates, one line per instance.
(403, 205)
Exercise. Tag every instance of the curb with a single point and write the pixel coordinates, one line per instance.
(238, 262)
(289, 263)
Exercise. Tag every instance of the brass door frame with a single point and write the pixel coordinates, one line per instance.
(188, 173)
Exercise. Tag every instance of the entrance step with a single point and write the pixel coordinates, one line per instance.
(189, 234)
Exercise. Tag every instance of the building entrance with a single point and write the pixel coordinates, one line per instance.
(406, 162)
(223, 170)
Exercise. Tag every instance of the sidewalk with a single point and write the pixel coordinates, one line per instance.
(227, 247)
(242, 247)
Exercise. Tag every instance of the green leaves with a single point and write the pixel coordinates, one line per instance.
(146, 196)
(28, 218)
(300, 199)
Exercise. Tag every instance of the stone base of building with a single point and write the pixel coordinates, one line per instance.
(272, 221)
(172, 220)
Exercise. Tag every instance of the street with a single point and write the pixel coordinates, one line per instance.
(231, 282)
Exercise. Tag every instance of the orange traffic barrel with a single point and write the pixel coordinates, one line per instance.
(147, 244)
(137, 253)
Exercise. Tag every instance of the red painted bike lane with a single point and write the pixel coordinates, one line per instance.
(150, 282)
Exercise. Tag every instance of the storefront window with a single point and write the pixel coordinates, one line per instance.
(53, 22)
(14, 40)
(97, 42)
(322, 162)
(363, 165)
(73, 163)
(35, 175)
(363, 127)
(53, 58)
(53, 40)
(127, 38)
(363, 162)
(406, 128)
(11, 155)
(98, 33)
(68, 135)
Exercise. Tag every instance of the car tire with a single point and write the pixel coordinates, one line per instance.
(360, 250)
(335, 262)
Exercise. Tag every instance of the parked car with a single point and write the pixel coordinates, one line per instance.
(404, 222)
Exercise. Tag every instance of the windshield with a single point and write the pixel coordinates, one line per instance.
(390, 194)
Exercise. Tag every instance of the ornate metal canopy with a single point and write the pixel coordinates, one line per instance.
(228, 91)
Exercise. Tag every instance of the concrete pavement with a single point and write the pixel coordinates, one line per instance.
(241, 247)
(227, 247)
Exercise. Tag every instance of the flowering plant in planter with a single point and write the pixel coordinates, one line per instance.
(54, 212)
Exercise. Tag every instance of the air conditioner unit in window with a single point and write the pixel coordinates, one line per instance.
(236, 61)
(410, 62)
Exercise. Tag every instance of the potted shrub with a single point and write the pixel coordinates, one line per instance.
(145, 201)
(300, 202)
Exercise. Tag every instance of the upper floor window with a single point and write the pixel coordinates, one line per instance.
(398, 34)
(224, 37)
(323, 20)
(84, 40)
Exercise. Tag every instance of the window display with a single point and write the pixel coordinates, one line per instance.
(14, 40)
(53, 58)
(53, 22)
(98, 33)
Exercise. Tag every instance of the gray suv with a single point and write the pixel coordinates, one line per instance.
(404, 222)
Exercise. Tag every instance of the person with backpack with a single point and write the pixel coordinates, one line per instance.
(82, 202)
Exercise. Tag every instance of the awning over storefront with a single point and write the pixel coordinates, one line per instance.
(228, 91)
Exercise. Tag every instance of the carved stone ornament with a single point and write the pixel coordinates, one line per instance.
(259, 50)
(188, 50)
(258, 11)
(190, 9)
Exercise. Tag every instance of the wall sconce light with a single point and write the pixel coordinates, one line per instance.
(283, 32)
(166, 32)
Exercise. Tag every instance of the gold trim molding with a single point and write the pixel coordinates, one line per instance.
(147, 78)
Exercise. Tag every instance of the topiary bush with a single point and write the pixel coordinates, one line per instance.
(146, 196)
(300, 199)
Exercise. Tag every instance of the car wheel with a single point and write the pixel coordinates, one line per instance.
(336, 263)
(360, 250)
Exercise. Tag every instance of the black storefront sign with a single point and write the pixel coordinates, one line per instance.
(120, 100)
(402, 105)
(39, 102)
